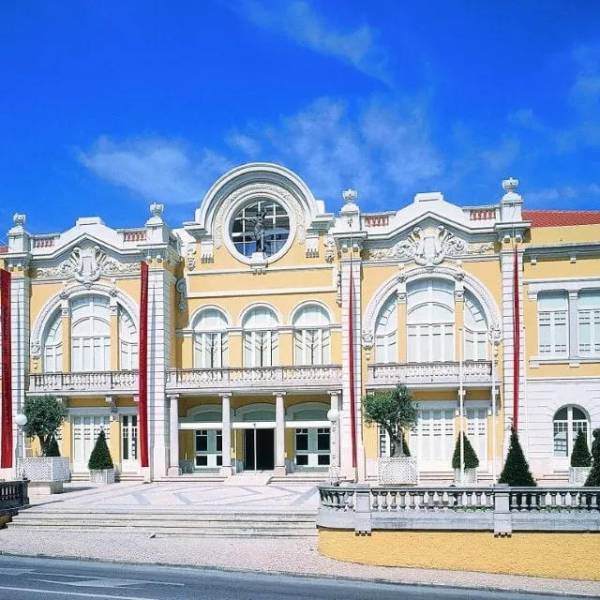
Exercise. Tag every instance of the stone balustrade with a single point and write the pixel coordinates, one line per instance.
(313, 377)
(84, 383)
(500, 508)
(430, 374)
(13, 494)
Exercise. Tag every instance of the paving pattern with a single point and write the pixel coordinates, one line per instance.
(192, 496)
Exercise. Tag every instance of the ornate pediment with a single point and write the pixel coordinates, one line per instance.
(428, 247)
(86, 263)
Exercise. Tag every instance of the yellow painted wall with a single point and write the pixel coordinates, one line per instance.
(557, 555)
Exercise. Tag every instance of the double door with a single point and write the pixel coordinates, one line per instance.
(86, 429)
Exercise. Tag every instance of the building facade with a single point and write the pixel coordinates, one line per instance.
(268, 319)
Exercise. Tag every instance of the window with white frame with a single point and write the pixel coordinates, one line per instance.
(476, 329)
(588, 323)
(431, 317)
(567, 423)
(260, 337)
(553, 320)
(53, 346)
(90, 334)
(128, 342)
(210, 339)
(477, 418)
(386, 332)
(311, 335)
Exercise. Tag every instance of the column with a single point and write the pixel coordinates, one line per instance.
(174, 469)
(66, 335)
(226, 435)
(279, 433)
(573, 330)
(114, 335)
(334, 416)
(402, 335)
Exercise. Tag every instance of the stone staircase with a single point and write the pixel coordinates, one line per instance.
(164, 523)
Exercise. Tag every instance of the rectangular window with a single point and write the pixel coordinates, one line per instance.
(202, 440)
(553, 321)
(302, 439)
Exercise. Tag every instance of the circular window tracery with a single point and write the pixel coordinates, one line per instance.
(260, 226)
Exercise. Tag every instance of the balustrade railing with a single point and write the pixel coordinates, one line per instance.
(85, 381)
(500, 508)
(474, 371)
(286, 377)
(13, 494)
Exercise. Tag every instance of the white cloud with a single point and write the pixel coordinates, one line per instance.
(155, 168)
(297, 20)
(502, 156)
(548, 197)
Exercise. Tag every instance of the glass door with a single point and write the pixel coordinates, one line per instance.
(209, 448)
(313, 447)
(129, 439)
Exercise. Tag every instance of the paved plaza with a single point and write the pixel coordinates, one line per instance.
(247, 496)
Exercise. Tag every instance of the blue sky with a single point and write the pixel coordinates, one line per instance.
(107, 106)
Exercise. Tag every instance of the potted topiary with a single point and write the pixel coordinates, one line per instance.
(102, 469)
(516, 470)
(581, 460)
(47, 472)
(396, 413)
(593, 479)
(470, 462)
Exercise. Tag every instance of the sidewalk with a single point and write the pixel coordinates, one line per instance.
(289, 556)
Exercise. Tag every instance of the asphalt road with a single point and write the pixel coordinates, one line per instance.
(24, 578)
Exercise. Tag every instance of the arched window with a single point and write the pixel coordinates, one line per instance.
(568, 422)
(552, 323)
(476, 329)
(430, 315)
(53, 346)
(260, 337)
(386, 332)
(311, 335)
(210, 339)
(128, 351)
(90, 334)
(588, 319)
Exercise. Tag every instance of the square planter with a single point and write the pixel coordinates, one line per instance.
(470, 477)
(103, 476)
(400, 470)
(45, 468)
(578, 475)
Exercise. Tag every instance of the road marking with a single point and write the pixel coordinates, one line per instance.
(14, 571)
(105, 582)
(78, 594)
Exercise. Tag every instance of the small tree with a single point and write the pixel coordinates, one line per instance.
(394, 411)
(469, 455)
(52, 449)
(45, 415)
(516, 470)
(594, 476)
(100, 458)
(581, 457)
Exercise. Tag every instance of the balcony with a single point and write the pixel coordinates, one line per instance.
(259, 379)
(433, 375)
(85, 383)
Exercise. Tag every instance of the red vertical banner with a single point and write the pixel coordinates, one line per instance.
(516, 342)
(143, 368)
(6, 450)
(351, 364)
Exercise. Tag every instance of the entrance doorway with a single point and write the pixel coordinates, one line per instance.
(259, 449)
(129, 443)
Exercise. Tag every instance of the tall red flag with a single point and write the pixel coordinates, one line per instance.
(6, 451)
(516, 342)
(351, 364)
(143, 368)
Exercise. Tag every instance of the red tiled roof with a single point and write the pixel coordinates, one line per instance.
(561, 218)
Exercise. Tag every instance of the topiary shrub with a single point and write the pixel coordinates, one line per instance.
(469, 455)
(581, 457)
(52, 448)
(593, 479)
(516, 470)
(100, 458)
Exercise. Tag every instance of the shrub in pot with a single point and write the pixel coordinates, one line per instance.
(581, 460)
(593, 479)
(516, 469)
(45, 416)
(395, 412)
(470, 460)
(101, 466)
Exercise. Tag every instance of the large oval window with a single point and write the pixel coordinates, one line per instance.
(261, 226)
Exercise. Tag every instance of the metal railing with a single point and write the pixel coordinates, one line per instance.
(84, 382)
(499, 508)
(13, 494)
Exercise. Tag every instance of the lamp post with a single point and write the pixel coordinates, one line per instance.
(21, 421)
(333, 415)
